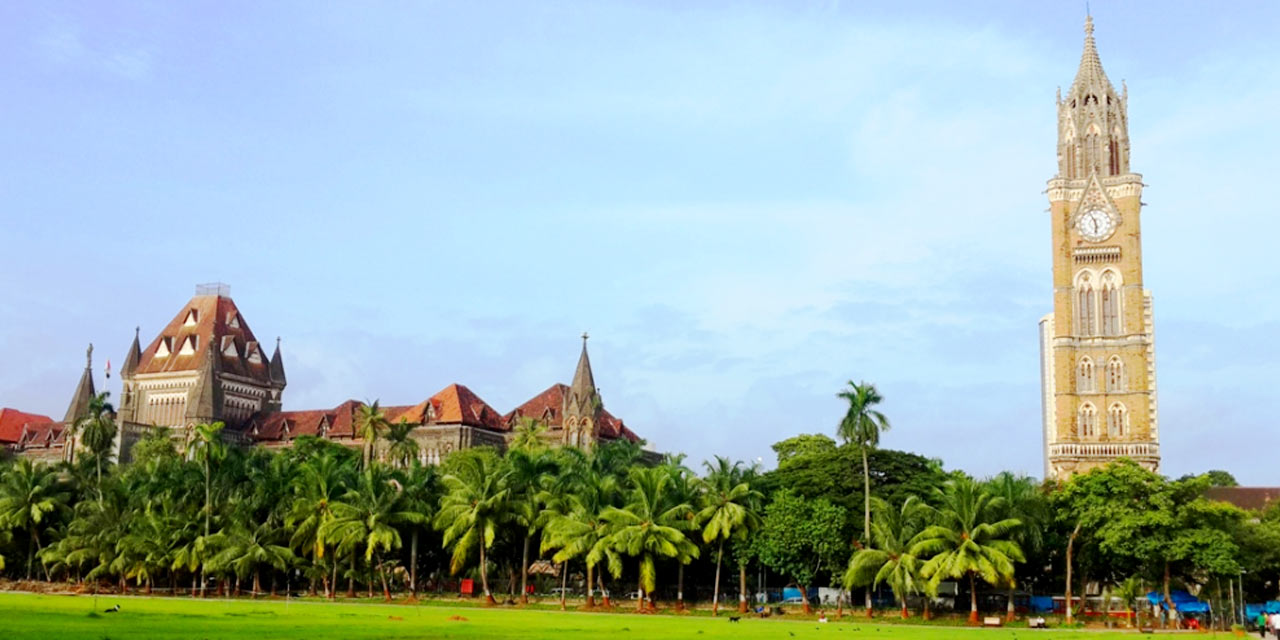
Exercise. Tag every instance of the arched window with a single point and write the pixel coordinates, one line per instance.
(1115, 374)
(1086, 305)
(1087, 421)
(1110, 294)
(1084, 375)
(1117, 421)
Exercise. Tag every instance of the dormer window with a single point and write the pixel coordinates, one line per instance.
(229, 346)
(233, 320)
(189, 346)
(254, 354)
(165, 348)
(193, 317)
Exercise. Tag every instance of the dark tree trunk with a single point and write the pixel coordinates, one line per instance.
(524, 575)
(351, 579)
(742, 588)
(1071, 544)
(413, 563)
(680, 587)
(804, 597)
(484, 577)
(715, 590)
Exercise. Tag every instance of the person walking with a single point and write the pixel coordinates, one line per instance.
(1274, 620)
(1262, 623)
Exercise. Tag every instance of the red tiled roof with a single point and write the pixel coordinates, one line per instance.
(546, 407)
(42, 434)
(338, 422)
(455, 404)
(214, 315)
(1252, 498)
(13, 421)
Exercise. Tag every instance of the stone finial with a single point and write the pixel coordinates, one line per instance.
(1088, 25)
(88, 357)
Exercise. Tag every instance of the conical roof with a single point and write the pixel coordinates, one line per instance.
(208, 322)
(277, 366)
(85, 391)
(134, 356)
(1090, 77)
(582, 391)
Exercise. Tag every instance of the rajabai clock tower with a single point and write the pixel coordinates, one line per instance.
(1098, 369)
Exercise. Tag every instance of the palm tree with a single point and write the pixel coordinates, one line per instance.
(207, 445)
(728, 511)
(98, 429)
(529, 435)
(246, 549)
(476, 502)
(401, 448)
(862, 426)
(574, 527)
(31, 496)
(368, 516)
(649, 527)
(318, 484)
(370, 423)
(1129, 591)
(889, 559)
(1021, 499)
(969, 540)
(529, 469)
(420, 496)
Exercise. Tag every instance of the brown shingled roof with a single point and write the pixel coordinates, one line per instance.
(455, 404)
(546, 407)
(214, 319)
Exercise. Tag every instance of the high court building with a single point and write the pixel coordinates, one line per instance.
(206, 365)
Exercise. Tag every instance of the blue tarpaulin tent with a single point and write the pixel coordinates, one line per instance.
(1185, 602)
(1252, 610)
(1041, 604)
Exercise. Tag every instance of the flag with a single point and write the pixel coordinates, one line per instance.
(108, 367)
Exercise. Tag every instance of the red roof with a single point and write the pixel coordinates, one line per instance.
(217, 323)
(548, 408)
(13, 422)
(1253, 498)
(42, 434)
(455, 404)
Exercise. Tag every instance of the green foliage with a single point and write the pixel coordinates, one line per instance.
(801, 537)
(889, 558)
(650, 525)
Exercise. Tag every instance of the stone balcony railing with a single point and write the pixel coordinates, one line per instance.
(1136, 450)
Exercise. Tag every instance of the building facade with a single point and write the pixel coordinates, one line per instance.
(1098, 370)
(206, 365)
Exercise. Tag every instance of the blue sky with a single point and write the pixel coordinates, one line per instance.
(745, 203)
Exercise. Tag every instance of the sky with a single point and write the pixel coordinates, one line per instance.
(746, 204)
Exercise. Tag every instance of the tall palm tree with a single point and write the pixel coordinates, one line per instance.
(207, 446)
(318, 484)
(476, 502)
(889, 558)
(861, 426)
(1020, 498)
(368, 516)
(529, 470)
(31, 498)
(98, 431)
(649, 527)
(401, 448)
(728, 511)
(574, 528)
(969, 540)
(421, 497)
(683, 488)
(371, 422)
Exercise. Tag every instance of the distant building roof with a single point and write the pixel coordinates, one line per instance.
(1251, 498)
(12, 423)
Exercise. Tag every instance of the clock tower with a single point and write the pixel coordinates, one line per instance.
(1097, 348)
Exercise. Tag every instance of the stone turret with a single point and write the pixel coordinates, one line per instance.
(84, 393)
(582, 405)
(278, 381)
(128, 395)
(1093, 125)
(204, 400)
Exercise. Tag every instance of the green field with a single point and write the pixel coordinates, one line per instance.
(39, 616)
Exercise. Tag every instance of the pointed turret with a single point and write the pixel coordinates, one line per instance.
(277, 366)
(85, 391)
(204, 401)
(1093, 128)
(582, 392)
(131, 360)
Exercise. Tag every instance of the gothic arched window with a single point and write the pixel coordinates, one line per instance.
(1087, 421)
(1084, 375)
(1086, 305)
(1115, 374)
(1110, 294)
(1117, 421)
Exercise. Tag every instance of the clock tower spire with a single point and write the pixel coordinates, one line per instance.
(1097, 347)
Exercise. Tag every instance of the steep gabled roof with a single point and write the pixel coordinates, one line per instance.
(13, 422)
(84, 392)
(546, 407)
(455, 404)
(203, 323)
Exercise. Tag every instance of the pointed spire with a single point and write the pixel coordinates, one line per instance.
(584, 384)
(1090, 74)
(204, 401)
(84, 392)
(277, 365)
(130, 365)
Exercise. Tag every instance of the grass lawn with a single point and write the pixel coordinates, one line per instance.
(47, 616)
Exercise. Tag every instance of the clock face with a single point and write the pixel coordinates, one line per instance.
(1095, 225)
